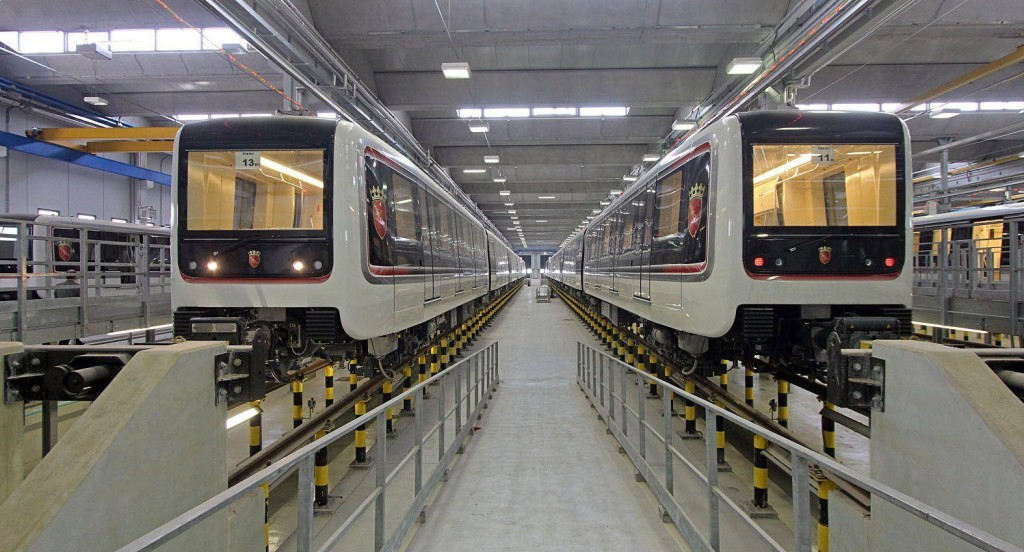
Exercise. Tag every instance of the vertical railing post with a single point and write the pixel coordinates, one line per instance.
(382, 484)
(418, 413)
(23, 271)
(711, 420)
(801, 504)
(304, 499)
(666, 411)
(611, 391)
(477, 391)
(640, 414)
(458, 401)
(440, 415)
(624, 422)
(600, 378)
(579, 361)
(143, 279)
(83, 282)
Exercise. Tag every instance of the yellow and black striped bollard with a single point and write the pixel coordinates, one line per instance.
(783, 387)
(297, 402)
(321, 480)
(451, 351)
(406, 385)
(360, 435)
(760, 472)
(748, 385)
(353, 379)
(389, 426)
(824, 488)
(652, 365)
(329, 384)
(255, 430)
(690, 429)
(828, 431)
(720, 435)
(435, 360)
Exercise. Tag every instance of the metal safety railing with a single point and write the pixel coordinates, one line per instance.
(473, 378)
(61, 280)
(606, 381)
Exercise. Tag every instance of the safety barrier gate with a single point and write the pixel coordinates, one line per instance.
(605, 380)
(473, 378)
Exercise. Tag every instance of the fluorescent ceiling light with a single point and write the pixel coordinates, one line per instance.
(614, 193)
(503, 112)
(513, 217)
(743, 65)
(243, 416)
(596, 211)
(197, 117)
(509, 204)
(812, 107)
(275, 166)
(469, 113)
(683, 125)
(118, 220)
(86, 216)
(870, 107)
(455, 70)
(606, 202)
(546, 197)
(554, 111)
(478, 126)
(629, 178)
(799, 161)
(327, 114)
(505, 193)
(540, 221)
(94, 52)
(404, 201)
(474, 171)
(650, 157)
(511, 211)
(491, 159)
(604, 111)
(47, 212)
(499, 179)
(944, 113)
(95, 100)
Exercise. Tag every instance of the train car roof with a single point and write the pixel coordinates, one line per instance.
(1006, 210)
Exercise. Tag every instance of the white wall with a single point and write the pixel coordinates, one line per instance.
(29, 182)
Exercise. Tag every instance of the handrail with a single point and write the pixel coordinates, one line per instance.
(483, 364)
(802, 457)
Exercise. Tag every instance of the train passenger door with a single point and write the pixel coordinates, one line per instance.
(645, 218)
(426, 231)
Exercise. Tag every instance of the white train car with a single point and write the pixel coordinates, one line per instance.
(755, 234)
(317, 233)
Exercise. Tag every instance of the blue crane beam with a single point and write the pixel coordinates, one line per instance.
(48, 150)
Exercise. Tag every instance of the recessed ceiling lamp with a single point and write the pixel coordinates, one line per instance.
(683, 125)
(479, 126)
(511, 211)
(509, 204)
(540, 221)
(474, 171)
(596, 211)
(546, 197)
(499, 179)
(614, 193)
(505, 193)
(629, 178)
(743, 65)
(650, 157)
(455, 70)
(606, 202)
(944, 113)
(95, 100)
(491, 159)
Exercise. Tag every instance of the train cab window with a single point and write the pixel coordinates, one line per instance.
(804, 185)
(255, 190)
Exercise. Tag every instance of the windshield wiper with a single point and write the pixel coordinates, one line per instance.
(236, 245)
(812, 240)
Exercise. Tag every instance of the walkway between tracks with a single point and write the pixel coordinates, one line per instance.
(541, 473)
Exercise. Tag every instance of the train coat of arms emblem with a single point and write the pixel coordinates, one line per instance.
(380, 213)
(824, 254)
(254, 258)
(696, 209)
(64, 250)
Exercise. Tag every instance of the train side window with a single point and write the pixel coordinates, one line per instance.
(625, 218)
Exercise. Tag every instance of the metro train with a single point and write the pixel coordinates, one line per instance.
(318, 238)
(750, 240)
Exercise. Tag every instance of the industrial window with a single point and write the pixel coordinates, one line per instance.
(178, 40)
(132, 40)
(41, 42)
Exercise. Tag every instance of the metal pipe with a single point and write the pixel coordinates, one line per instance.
(997, 133)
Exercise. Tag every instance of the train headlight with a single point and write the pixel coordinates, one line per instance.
(318, 265)
(297, 266)
(779, 261)
(192, 265)
(868, 262)
(212, 265)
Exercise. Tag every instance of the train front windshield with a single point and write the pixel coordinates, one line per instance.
(824, 185)
(255, 190)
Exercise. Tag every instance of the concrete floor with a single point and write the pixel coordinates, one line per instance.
(542, 473)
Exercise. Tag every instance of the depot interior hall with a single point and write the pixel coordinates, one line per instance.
(293, 275)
